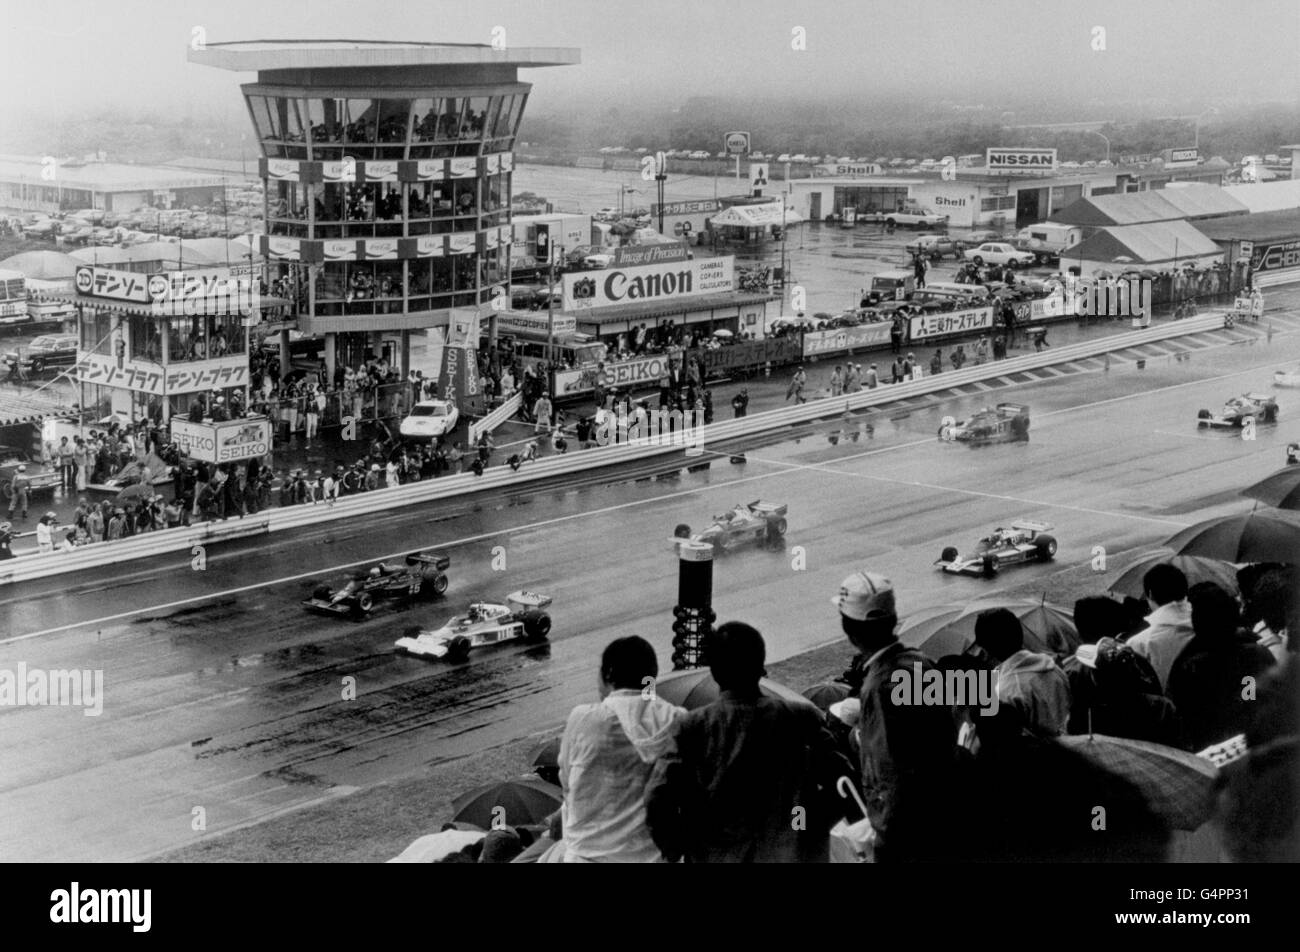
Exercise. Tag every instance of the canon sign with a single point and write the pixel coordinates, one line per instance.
(1021, 160)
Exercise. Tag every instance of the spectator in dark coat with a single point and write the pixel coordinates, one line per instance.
(1214, 682)
(907, 751)
(1113, 689)
(753, 777)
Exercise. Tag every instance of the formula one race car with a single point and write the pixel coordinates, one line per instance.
(1260, 407)
(522, 617)
(1007, 422)
(423, 575)
(1023, 542)
(758, 521)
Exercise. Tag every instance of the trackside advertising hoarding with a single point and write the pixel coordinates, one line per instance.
(846, 338)
(654, 282)
(951, 322)
(225, 442)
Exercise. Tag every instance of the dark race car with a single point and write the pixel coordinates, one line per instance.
(421, 577)
(1259, 407)
(758, 521)
(1023, 542)
(1007, 422)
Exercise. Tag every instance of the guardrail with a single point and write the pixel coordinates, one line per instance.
(502, 477)
(495, 418)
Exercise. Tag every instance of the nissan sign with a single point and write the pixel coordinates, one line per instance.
(737, 143)
(1021, 160)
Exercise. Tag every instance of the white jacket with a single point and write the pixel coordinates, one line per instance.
(606, 757)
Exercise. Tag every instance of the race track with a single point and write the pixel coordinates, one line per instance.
(221, 693)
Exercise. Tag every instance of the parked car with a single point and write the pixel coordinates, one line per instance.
(43, 353)
(430, 419)
(1000, 252)
(935, 247)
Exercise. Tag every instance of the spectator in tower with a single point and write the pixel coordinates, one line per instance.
(907, 751)
(1169, 626)
(752, 777)
(1214, 682)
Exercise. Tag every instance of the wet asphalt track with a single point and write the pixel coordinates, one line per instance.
(222, 693)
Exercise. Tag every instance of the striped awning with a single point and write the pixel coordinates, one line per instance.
(15, 410)
(133, 309)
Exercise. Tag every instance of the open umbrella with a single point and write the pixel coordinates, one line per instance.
(723, 332)
(695, 688)
(1281, 490)
(1195, 567)
(134, 491)
(1267, 535)
(545, 760)
(1179, 786)
(827, 693)
(1048, 628)
(933, 627)
(512, 802)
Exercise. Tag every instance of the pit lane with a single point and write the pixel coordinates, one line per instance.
(223, 694)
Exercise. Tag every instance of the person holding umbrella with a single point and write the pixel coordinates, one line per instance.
(1029, 680)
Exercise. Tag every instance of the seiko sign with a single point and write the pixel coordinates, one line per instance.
(1021, 160)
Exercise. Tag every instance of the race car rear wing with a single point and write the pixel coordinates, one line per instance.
(768, 508)
(1027, 526)
(439, 560)
(1014, 408)
(526, 599)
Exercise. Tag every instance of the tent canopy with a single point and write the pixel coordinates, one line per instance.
(43, 265)
(1152, 243)
(756, 216)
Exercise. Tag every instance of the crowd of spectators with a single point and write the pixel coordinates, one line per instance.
(753, 777)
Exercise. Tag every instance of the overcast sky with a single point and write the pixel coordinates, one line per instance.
(77, 53)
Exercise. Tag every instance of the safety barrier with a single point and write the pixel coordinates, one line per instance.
(495, 418)
(504, 477)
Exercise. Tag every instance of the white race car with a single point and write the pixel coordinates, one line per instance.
(1290, 377)
(486, 623)
(1024, 542)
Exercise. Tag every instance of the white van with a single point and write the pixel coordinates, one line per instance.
(1047, 239)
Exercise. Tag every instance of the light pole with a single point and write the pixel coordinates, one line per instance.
(623, 190)
(1107, 141)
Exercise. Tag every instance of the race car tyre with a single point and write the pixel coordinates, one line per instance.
(438, 585)
(780, 526)
(990, 566)
(1203, 417)
(365, 602)
(978, 259)
(1270, 415)
(458, 649)
(1019, 426)
(1045, 546)
(949, 554)
(322, 592)
(537, 625)
(683, 531)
